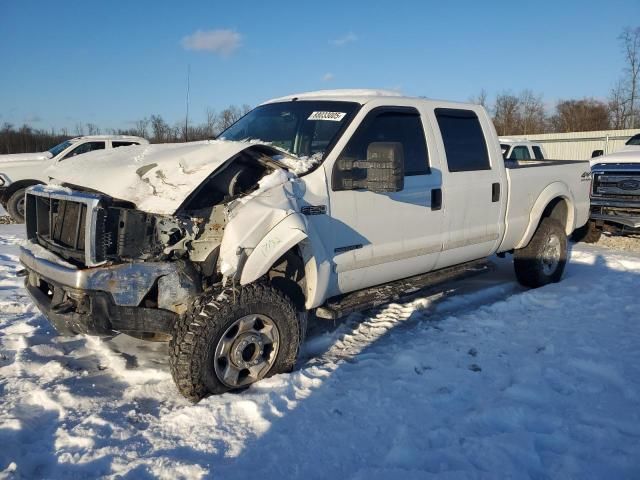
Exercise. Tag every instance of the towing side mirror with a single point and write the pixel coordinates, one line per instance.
(381, 172)
(597, 153)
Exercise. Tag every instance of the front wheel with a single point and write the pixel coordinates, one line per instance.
(15, 206)
(229, 343)
(543, 260)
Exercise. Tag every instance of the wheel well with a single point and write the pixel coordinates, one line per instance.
(558, 209)
(287, 275)
(15, 186)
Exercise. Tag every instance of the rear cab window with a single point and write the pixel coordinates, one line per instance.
(520, 152)
(464, 141)
(115, 144)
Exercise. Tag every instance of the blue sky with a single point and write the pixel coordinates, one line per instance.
(111, 63)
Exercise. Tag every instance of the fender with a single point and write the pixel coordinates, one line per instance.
(551, 192)
(291, 231)
(280, 239)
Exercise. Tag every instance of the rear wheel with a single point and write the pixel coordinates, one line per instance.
(588, 233)
(228, 344)
(543, 260)
(15, 205)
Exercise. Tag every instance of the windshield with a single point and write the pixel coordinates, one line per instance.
(306, 129)
(59, 148)
(635, 140)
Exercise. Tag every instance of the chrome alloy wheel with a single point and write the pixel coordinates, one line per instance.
(551, 253)
(247, 350)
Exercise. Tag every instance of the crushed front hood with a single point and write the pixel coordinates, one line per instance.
(25, 157)
(156, 178)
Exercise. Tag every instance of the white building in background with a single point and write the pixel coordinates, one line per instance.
(580, 145)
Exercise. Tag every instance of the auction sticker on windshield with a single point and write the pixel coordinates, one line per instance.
(327, 116)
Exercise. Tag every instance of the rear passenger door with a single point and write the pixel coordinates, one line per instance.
(473, 186)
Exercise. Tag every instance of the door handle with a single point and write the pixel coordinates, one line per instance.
(436, 199)
(495, 192)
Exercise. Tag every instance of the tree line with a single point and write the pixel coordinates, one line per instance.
(25, 138)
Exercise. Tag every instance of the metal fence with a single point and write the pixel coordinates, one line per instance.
(580, 145)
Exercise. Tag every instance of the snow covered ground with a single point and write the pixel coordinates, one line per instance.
(488, 381)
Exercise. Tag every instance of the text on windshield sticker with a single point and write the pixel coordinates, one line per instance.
(327, 116)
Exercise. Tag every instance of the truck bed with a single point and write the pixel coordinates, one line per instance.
(514, 164)
(533, 180)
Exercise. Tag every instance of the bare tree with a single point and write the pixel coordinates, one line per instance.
(532, 116)
(141, 127)
(580, 116)
(480, 98)
(211, 123)
(162, 132)
(630, 39)
(228, 117)
(619, 106)
(506, 114)
(93, 129)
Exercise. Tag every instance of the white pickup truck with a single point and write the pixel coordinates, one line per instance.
(324, 202)
(615, 194)
(21, 170)
(518, 149)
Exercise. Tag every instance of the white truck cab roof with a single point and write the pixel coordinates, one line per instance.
(345, 95)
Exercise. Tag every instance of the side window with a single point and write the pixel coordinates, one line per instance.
(537, 152)
(403, 127)
(520, 153)
(123, 144)
(85, 148)
(463, 138)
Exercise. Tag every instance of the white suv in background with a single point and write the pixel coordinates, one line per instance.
(515, 149)
(22, 170)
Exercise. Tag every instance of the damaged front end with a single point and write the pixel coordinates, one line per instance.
(98, 265)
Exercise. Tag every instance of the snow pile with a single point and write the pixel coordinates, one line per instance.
(487, 380)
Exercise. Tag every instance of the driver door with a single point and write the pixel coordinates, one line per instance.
(381, 237)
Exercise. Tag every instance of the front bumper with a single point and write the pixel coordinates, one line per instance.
(621, 212)
(110, 299)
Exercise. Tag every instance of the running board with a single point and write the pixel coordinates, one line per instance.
(425, 283)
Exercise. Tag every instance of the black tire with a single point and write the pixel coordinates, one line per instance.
(543, 260)
(15, 205)
(588, 233)
(198, 334)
